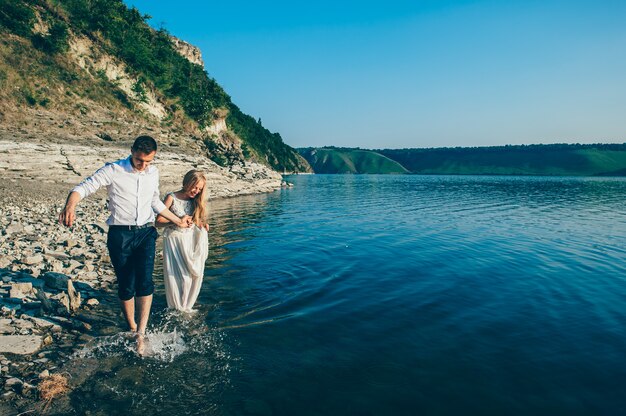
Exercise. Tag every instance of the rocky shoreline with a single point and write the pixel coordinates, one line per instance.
(57, 287)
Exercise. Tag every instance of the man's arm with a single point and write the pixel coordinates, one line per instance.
(184, 222)
(162, 210)
(102, 177)
(161, 221)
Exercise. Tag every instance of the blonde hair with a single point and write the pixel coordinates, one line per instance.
(199, 202)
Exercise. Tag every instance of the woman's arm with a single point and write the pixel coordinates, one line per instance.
(161, 221)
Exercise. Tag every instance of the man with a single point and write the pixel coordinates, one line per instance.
(133, 187)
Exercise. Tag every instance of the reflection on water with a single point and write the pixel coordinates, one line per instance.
(392, 295)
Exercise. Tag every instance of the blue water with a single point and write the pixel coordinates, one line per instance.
(369, 295)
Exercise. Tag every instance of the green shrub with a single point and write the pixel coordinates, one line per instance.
(29, 97)
(102, 76)
(53, 42)
(68, 76)
(16, 17)
(140, 90)
(122, 97)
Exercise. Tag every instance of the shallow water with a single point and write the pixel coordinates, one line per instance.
(375, 295)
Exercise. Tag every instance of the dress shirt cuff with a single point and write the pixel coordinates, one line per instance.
(158, 207)
(80, 191)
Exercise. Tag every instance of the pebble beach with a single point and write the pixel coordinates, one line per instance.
(57, 280)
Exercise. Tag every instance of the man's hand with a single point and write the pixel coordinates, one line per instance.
(68, 214)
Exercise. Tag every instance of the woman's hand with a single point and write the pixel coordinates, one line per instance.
(206, 227)
(186, 222)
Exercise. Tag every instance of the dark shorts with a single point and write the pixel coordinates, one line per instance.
(132, 255)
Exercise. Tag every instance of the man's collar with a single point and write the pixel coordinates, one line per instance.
(127, 164)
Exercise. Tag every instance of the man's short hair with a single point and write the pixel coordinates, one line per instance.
(144, 144)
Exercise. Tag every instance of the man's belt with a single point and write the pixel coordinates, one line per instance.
(132, 227)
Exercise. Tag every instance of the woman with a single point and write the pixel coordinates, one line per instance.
(185, 249)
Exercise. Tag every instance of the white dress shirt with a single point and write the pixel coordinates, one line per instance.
(133, 195)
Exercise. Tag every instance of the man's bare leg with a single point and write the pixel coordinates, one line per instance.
(143, 311)
(128, 308)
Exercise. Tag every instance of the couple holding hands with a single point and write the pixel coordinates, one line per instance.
(135, 207)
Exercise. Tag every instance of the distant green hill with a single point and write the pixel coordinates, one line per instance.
(333, 160)
(550, 159)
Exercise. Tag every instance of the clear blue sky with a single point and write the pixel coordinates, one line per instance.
(393, 74)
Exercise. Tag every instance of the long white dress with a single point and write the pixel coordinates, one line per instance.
(185, 251)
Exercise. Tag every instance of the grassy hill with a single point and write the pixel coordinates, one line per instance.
(334, 160)
(553, 159)
(67, 64)
(556, 159)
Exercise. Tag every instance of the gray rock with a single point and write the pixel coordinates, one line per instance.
(56, 266)
(21, 290)
(56, 255)
(20, 344)
(93, 302)
(23, 324)
(36, 283)
(44, 323)
(64, 300)
(45, 302)
(6, 327)
(12, 383)
(77, 252)
(56, 280)
(69, 243)
(14, 228)
(101, 226)
(90, 276)
(32, 305)
(32, 260)
(74, 297)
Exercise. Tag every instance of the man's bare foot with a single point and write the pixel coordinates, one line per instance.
(141, 344)
(131, 333)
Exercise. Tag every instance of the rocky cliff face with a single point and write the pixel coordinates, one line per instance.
(66, 77)
(85, 53)
(189, 51)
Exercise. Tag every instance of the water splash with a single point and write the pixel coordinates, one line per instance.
(174, 334)
(159, 345)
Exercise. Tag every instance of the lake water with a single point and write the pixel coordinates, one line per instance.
(403, 295)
